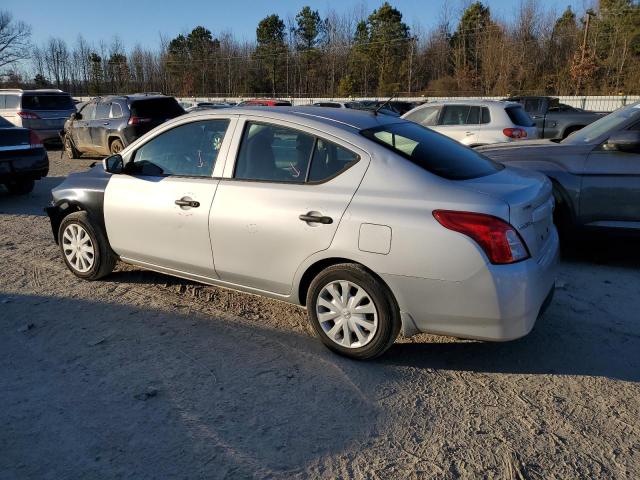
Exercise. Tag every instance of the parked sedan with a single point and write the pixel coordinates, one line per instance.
(23, 159)
(476, 122)
(595, 171)
(373, 223)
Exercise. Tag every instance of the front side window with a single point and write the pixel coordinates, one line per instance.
(427, 116)
(88, 112)
(186, 150)
(435, 153)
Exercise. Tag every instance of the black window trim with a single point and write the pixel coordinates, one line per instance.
(248, 122)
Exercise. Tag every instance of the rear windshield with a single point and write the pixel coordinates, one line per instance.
(47, 102)
(435, 153)
(519, 117)
(162, 108)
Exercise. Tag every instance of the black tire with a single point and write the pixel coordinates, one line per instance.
(116, 146)
(104, 260)
(69, 148)
(387, 309)
(21, 187)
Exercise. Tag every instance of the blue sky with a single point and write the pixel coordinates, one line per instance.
(142, 21)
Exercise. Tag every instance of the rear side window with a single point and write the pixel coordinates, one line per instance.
(161, 108)
(460, 115)
(47, 102)
(435, 153)
(281, 154)
(327, 104)
(88, 112)
(427, 116)
(519, 117)
(329, 160)
(116, 111)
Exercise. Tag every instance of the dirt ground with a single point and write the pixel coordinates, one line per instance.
(146, 376)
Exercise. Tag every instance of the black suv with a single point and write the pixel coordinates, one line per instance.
(105, 125)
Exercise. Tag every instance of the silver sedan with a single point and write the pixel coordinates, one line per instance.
(375, 224)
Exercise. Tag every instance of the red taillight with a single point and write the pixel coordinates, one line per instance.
(138, 120)
(499, 240)
(34, 139)
(28, 115)
(515, 133)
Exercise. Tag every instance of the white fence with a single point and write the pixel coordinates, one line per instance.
(595, 103)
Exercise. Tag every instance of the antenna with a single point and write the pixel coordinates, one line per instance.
(385, 103)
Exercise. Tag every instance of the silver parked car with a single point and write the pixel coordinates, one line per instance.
(373, 223)
(476, 122)
(44, 111)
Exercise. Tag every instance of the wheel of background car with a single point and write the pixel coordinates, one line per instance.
(116, 146)
(20, 187)
(84, 247)
(353, 312)
(70, 149)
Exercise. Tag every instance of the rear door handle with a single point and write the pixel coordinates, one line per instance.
(316, 219)
(183, 202)
(106, 123)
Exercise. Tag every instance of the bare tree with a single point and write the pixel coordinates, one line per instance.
(14, 40)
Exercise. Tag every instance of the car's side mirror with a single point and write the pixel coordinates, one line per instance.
(113, 164)
(624, 141)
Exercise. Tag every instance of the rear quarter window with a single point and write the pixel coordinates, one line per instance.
(432, 151)
(519, 117)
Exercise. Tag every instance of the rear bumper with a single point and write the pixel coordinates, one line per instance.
(25, 164)
(497, 303)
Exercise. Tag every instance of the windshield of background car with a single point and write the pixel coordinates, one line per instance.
(47, 102)
(435, 153)
(156, 108)
(604, 125)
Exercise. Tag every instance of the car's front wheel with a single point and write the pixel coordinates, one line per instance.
(84, 247)
(352, 311)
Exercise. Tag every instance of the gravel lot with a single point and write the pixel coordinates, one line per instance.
(146, 376)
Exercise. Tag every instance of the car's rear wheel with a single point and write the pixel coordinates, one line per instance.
(352, 311)
(21, 187)
(69, 149)
(116, 146)
(84, 247)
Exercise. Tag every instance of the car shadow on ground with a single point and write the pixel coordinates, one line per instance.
(607, 248)
(87, 380)
(32, 203)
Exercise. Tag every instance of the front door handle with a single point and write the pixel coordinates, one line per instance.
(316, 219)
(186, 202)
(105, 123)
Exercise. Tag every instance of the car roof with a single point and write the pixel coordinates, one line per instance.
(342, 118)
(465, 101)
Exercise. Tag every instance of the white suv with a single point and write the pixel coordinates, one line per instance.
(476, 122)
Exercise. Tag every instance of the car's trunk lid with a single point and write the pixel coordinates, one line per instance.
(14, 138)
(530, 200)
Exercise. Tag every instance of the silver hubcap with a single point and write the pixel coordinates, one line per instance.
(78, 247)
(347, 314)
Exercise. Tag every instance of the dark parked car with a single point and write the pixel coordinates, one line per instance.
(106, 125)
(45, 111)
(595, 172)
(23, 159)
(555, 119)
